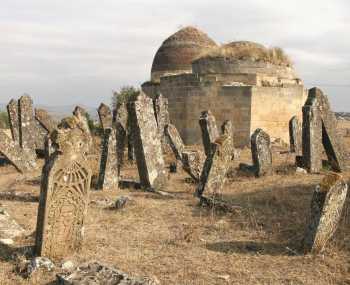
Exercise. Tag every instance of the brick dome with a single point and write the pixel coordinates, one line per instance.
(178, 51)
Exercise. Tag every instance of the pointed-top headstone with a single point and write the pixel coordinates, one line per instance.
(209, 130)
(105, 115)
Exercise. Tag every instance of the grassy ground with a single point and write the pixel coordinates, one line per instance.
(178, 242)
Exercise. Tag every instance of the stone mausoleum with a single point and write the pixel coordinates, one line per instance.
(245, 82)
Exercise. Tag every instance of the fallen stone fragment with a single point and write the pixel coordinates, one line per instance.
(300, 170)
(94, 273)
(121, 202)
(9, 229)
(326, 209)
(40, 263)
(68, 265)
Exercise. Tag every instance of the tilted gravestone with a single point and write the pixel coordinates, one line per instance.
(162, 114)
(27, 127)
(326, 208)
(108, 173)
(192, 163)
(13, 114)
(23, 159)
(64, 192)
(295, 136)
(216, 165)
(175, 141)
(45, 119)
(80, 114)
(105, 115)
(209, 130)
(320, 132)
(261, 153)
(146, 139)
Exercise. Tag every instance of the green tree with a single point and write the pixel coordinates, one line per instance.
(124, 94)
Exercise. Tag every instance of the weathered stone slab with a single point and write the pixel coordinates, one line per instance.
(162, 115)
(192, 163)
(121, 125)
(295, 136)
(44, 118)
(64, 192)
(80, 114)
(13, 114)
(23, 159)
(261, 153)
(227, 129)
(27, 128)
(216, 165)
(9, 228)
(209, 130)
(175, 141)
(94, 273)
(108, 173)
(326, 208)
(105, 115)
(146, 139)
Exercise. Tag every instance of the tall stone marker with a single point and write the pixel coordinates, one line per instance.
(105, 115)
(209, 130)
(121, 126)
(216, 165)
(326, 208)
(27, 128)
(108, 174)
(320, 132)
(44, 118)
(162, 114)
(227, 129)
(261, 153)
(13, 114)
(175, 141)
(146, 139)
(295, 136)
(64, 192)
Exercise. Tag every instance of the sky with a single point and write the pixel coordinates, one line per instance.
(79, 51)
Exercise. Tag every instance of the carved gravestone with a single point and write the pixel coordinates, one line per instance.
(216, 165)
(261, 153)
(209, 130)
(121, 123)
(162, 114)
(45, 119)
(320, 132)
(175, 141)
(13, 114)
(295, 136)
(192, 163)
(105, 115)
(27, 127)
(108, 173)
(64, 192)
(326, 208)
(227, 129)
(146, 139)
(23, 159)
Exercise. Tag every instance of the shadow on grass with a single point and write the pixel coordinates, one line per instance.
(22, 197)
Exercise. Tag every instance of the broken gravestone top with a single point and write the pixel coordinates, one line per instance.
(175, 141)
(45, 119)
(105, 115)
(326, 208)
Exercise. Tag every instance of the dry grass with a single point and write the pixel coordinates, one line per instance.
(274, 55)
(181, 243)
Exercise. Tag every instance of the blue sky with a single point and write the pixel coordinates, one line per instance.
(77, 52)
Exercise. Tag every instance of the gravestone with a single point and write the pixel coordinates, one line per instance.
(105, 115)
(13, 114)
(23, 159)
(216, 165)
(27, 128)
(45, 119)
(261, 153)
(320, 132)
(146, 139)
(80, 114)
(121, 122)
(108, 173)
(227, 129)
(209, 130)
(162, 114)
(326, 208)
(192, 163)
(295, 136)
(175, 141)
(64, 192)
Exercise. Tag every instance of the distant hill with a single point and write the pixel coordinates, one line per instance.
(59, 112)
